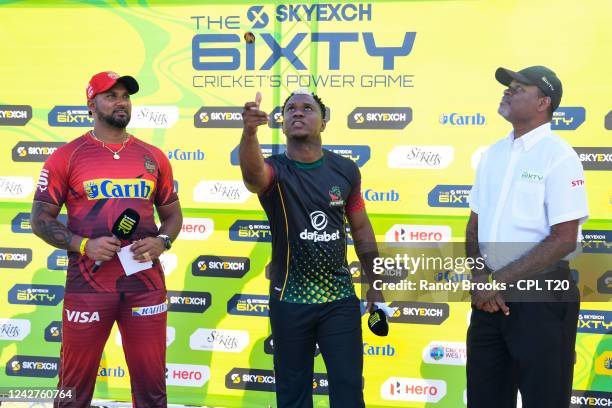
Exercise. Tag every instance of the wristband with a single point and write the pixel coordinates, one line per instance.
(82, 246)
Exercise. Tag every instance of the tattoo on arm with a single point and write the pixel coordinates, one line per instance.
(46, 226)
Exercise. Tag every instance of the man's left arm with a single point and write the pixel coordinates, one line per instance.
(171, 219)
(558, 244)
(366, 249)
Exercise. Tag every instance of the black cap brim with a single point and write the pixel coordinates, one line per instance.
(505, 76)
(130, 84)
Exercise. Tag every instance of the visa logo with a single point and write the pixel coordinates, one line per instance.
(82, 317)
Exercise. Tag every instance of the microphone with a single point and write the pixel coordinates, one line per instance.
(123, 228)
(377, 322)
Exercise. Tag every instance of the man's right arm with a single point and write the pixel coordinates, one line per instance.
(256, 174)
(46, 226)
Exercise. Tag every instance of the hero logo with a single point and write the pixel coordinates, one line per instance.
(14, 329)
(455, 119)
(153, 117)
(232, 341)
(567, 118)
(318, 220)
(447, 353)
(421, 157)
(418, 233)
(76, 316)
(187, 375)
(196, 229)
(413, 389)
(16, 187)
(221, 191)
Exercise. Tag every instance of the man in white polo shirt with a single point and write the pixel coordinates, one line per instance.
(528, 202)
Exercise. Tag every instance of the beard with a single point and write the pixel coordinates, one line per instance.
(119, 123)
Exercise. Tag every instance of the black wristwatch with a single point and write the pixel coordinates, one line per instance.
(167, 242)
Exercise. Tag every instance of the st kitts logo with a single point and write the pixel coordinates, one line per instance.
(595, 321)
(189, 302)
(153, 117)
(14, 329)
(70, 116)
(32, 366)
(20, 224)
(220, 266)
(44, 295)
(567, 118)
(597, 241)
(248, 305)
(99, 189)
(34, 151)
(276, 117)
(53, 332)
(218, 117)
(16, 258)
(379, 118)
(444, 195)
(250, 230)
(358, 153)
(15, 115)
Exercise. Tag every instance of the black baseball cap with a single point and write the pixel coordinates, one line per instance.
(540, 76)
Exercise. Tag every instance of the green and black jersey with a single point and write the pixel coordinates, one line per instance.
(306, 205)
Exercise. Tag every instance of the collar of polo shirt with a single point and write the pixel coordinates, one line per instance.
(531, 138)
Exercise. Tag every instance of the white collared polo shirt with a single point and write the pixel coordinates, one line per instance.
(522, 188)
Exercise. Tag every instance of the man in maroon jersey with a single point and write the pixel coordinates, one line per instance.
(97, 176)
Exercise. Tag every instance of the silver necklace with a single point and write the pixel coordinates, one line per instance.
(115, 153)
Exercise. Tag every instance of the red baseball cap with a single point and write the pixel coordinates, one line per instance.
(103, 81)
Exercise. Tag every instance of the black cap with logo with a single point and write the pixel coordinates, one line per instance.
(542, 77)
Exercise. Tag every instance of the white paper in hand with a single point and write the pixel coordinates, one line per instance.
(131, 265)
